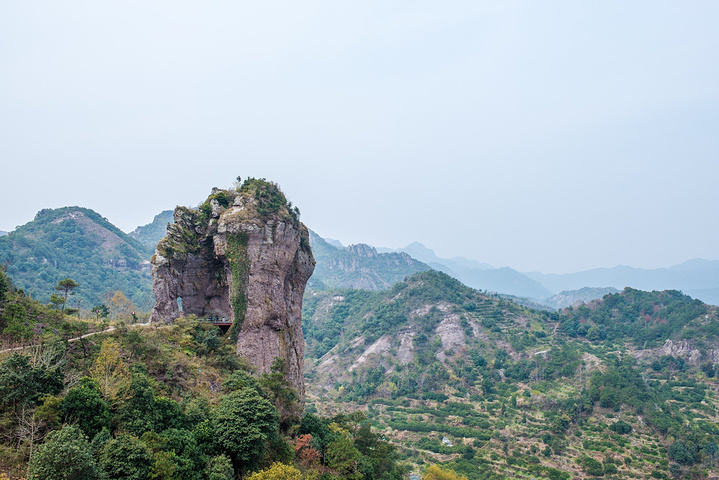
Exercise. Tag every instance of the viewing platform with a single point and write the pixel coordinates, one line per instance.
(222, 322)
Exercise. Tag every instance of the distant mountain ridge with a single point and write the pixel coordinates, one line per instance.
(365, 267)
(151, 234)
(358, 266)
(427, 255)
(697, 277)
(568, 298)
(482, 276)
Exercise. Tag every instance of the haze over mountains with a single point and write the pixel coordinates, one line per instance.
(698, 278)
(63, 252)
(358, 266)
(151, 234)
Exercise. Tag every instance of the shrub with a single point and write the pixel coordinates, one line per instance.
(592, 466)
(125, 457)
(65, 455)
(243, 423)
(278, 471)
(621, 427)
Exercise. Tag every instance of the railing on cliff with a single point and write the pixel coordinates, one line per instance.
(219, 321)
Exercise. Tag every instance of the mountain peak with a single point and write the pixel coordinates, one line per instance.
(363, 250)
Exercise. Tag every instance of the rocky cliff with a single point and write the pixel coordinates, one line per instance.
(243, 255)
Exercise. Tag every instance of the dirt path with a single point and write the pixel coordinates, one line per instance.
(111, 329)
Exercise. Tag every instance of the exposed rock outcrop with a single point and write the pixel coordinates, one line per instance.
(244, 256)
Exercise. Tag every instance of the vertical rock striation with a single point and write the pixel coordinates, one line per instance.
(243, 255)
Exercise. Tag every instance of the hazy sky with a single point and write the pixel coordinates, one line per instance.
(553, 136)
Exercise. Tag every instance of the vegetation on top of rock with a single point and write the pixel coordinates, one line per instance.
(189, 232)
(269, 198)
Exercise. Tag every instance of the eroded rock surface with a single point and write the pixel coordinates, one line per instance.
(244, 256)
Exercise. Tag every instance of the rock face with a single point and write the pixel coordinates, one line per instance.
(244, 256)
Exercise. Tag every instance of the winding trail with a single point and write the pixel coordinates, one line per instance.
(75, 339)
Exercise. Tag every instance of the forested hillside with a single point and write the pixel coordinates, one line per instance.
(77, 243)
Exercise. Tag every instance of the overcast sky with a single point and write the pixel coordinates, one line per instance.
(553, 136)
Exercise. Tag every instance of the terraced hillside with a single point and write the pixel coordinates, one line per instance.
(496, 390)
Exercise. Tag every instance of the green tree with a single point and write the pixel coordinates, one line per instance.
(188, 459)
(679, 452)
(621, 427)
(137, 413)
(243, 423)
(278, 471)
(125, 457)
(65, 455)
(4, 286)
(281, 393)
(67, 287)
(57, 301)
(593, 334)
(592, 466)
(22, 383)
(219, 468)
(341, 454)
(84, 404)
